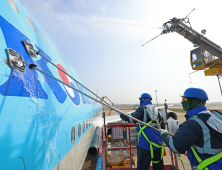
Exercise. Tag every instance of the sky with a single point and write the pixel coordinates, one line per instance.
(102, 41)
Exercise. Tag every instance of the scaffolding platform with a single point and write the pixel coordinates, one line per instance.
(119, 148)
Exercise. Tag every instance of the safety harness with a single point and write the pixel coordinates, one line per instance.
(204, 163)
(151, 143)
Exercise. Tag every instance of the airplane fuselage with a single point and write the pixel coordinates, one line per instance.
(43, 123)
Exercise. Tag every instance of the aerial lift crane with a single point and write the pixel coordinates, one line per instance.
(206, 56)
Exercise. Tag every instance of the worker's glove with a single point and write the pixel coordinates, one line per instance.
(178, 155)
(162, 131)
(118, 113)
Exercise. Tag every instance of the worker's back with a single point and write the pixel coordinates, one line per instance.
(151, 134)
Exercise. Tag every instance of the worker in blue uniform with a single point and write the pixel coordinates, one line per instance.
(149, 144)
(200, 135)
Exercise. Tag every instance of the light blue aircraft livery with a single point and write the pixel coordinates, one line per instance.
(43, 123)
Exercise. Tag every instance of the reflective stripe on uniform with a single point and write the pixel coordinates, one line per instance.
(172, 145)
(206, 148)
(206, 136)
(130, 120)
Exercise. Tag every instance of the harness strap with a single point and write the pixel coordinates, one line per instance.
(182, 159)
(204, 163)
(141, 129)
(198, 158)
(209, 161)
(151, 143)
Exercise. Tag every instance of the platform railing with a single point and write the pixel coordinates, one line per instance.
(127, 126)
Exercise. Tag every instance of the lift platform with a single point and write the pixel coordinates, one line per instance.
(119, 148)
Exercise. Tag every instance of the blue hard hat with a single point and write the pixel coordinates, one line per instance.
(144, 95)
(195, 92)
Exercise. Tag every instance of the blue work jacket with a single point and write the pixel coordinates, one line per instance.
(152, 135)
(197, 133)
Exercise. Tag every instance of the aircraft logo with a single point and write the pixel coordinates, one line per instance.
(73, 95)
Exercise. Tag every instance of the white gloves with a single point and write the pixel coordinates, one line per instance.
(162, 131)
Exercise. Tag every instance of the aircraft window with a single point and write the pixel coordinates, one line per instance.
(30, 23)
(86, 124)
(195, 55)
(83, 127)
(79, 130)
(43, 37)
(13, 5)
(73, 135)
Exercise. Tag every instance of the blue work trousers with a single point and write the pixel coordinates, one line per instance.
(144, 159)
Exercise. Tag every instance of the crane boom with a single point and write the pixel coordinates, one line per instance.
(180, 26)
